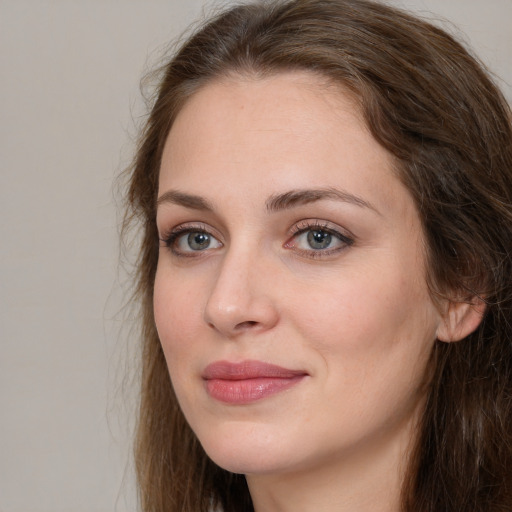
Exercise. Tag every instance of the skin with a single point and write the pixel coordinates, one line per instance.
(356, 317)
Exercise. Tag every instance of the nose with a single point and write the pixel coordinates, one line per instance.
(241, 298)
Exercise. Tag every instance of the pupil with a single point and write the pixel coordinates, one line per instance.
(198, 241)
(319, 239)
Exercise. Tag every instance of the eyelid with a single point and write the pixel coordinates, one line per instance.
(312, 224)
(164, 234)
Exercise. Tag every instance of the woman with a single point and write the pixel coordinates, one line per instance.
(325, 273)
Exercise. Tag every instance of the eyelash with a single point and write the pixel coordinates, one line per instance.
(170, 240)
(315, 225)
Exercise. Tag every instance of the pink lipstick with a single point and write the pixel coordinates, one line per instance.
(248, 381)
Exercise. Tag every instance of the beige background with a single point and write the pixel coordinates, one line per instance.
(69, 100)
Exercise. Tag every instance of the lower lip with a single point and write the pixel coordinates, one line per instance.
(246, 391)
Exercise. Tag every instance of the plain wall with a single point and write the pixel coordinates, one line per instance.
(69, 90)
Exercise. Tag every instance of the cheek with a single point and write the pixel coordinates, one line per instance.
(175, 309)
(374, 341)
(374, 326)
(356, 310)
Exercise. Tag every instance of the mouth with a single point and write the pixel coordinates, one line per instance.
(248, 381)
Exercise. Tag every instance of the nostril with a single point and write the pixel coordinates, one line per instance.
(246, 325)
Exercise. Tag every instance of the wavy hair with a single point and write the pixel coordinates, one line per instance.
(435, 109)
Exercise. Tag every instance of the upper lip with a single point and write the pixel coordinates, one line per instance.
(249, 369)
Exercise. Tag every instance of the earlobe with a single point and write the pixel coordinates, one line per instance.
(460, 320)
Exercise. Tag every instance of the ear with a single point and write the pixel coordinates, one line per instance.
(460, 319)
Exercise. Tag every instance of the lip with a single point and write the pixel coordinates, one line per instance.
(248, 381)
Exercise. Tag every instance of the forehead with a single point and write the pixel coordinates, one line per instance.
(286, 106)
(288, 131)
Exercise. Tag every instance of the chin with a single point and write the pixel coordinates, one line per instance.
(246, 451)
(253, 463)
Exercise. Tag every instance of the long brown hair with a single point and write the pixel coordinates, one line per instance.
(431, 105)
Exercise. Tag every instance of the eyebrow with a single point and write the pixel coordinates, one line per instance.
(299, 197)
(274, 203)
(187, 200)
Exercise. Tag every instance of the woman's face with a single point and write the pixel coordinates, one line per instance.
(290, 293)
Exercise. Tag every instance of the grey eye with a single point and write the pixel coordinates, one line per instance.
(319, 239)
(197, 241)
(189, 241)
